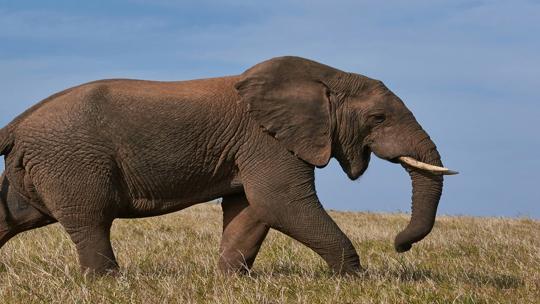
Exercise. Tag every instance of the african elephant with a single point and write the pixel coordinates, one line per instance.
(131, 148)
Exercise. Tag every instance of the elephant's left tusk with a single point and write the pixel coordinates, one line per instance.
(423, 166)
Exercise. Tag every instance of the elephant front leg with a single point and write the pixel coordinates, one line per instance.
(308, 223)
(243, 235)
(285, 197)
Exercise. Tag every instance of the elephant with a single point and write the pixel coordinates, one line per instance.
(121, 148)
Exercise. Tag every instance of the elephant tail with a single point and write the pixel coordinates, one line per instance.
(6, 141)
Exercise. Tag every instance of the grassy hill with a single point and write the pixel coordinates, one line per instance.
(172, 259)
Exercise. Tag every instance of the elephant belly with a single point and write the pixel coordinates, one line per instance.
(156, 205)
(174, 170)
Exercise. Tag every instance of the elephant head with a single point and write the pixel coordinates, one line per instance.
(318, 112)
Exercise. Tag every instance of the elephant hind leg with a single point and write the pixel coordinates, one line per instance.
(88, 224)
(94, 248)
(243, 235)
(27, 219)
(86, 210)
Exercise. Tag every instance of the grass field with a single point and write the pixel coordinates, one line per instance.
(172, 259)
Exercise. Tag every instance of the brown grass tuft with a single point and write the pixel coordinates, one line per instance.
(172, 259)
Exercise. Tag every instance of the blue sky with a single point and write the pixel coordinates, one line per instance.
(469, 70)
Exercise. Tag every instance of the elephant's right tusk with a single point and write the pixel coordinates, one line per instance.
(423, 166)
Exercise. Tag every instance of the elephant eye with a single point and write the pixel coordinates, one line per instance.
(378, 118)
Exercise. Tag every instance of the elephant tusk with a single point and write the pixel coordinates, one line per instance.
(423, 166)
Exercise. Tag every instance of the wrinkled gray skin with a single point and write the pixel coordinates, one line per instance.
(129, 148)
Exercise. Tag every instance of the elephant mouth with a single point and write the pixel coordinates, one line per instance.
(357, 166)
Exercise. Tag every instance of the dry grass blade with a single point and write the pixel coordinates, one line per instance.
(171, 259)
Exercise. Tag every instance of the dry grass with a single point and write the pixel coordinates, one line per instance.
(172, 259)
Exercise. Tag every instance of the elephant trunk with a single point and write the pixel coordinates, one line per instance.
(426, 193)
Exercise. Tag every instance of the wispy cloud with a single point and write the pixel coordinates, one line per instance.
(36, 24)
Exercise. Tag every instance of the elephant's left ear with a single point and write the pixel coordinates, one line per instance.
(287, 98)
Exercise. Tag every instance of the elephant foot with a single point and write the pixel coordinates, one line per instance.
(234, 266)
(112, 271)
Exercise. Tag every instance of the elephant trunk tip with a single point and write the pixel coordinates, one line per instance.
(405, 239)
(402, 244)
(402, 247)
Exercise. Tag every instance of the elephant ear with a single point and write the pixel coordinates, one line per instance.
(288, 98)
